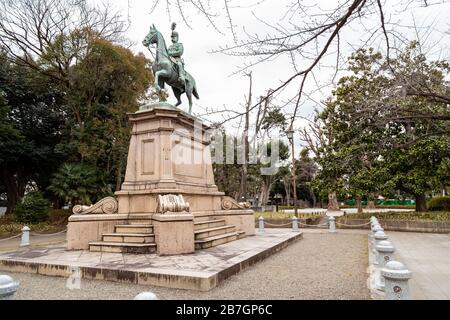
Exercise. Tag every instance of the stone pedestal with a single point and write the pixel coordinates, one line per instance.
(168, 158)
(174, 233)
(168, 153)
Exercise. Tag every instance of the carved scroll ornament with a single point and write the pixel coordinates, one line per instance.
(107, 205)
(229, 203)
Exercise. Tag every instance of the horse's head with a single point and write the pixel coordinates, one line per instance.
(151, 37)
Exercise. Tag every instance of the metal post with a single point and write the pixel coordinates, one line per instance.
(294, 180)
(295, 224)
(396, 278)
(25, 237)
(8, 287)
(261, 224)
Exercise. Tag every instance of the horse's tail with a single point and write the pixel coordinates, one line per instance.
(195, 93)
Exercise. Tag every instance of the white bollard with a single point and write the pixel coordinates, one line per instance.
(376, 229)
(384, 252)
(379, 236)
(146, 295)
(295, 224)
(8, 287)
(396, 278)
(261, 224)
(332, 227)
(375, 224)
(25, 237)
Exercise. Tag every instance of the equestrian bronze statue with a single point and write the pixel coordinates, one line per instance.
(168, 66)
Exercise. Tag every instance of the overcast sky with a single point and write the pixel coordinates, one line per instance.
(218, 87)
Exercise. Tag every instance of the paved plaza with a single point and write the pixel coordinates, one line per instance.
(427, 256)
(320, 266)
(202, 270)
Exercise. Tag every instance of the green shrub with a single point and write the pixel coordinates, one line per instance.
(410, 216)
(34, 208)
(439, 203)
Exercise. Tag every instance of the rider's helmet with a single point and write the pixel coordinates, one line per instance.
(174, 33)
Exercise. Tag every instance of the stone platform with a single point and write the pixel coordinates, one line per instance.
(202, 270)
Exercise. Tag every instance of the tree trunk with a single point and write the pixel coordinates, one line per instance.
(287, 189)
(359, 204)
(265, 191)
(15, 188)
(243, 186)
(12, 199)
(333, 204)
(371, 204)
(421, 202)
(119, 175)
(58, 203)
(314, 199)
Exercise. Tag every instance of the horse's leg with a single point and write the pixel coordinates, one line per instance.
(177, 93)
(189, 95)
(159, 73)
(157, 87)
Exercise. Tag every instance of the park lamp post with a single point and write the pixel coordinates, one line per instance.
(290, 136)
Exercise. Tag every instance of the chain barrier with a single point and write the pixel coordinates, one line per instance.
(314, 225)
(353, 225)
(290, 224)
(48, 234)
(278, 225)
(13, 237)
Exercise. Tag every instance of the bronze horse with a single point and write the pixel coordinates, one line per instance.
(165, 71)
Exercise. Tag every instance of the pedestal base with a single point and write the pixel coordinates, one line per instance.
(174, 233)
(83, 229)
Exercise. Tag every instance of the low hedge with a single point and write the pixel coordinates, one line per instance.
(56, 221)
(382, 206)
(428, 216)
(439, 204)
(283, 215)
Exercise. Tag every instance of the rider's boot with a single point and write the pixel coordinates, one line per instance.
(181, 77)
(181, 73)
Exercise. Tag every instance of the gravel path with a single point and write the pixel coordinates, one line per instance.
(321, 266)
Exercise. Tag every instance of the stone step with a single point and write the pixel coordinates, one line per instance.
(138, 221)
(241, 234)
(200, 225)
(129, 237)
(215, 241)
(211, 232)
(140, 218)
(134, 228)
(119, 247)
